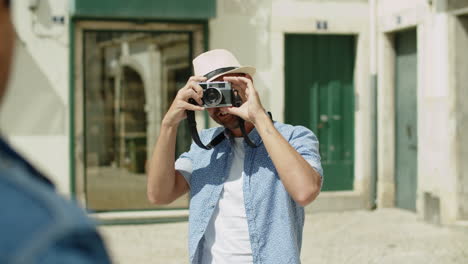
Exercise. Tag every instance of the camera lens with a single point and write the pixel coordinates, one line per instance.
(212, 97)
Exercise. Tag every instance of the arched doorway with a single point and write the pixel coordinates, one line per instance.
(131, 122)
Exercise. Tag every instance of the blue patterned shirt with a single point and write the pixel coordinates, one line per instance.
(275, 220)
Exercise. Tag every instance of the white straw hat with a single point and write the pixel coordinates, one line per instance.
(215, 63)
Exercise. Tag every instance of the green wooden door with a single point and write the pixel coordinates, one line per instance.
(406, 149)
(320, 95)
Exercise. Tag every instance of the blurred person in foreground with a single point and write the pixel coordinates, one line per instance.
(246, 202)
(37, 225)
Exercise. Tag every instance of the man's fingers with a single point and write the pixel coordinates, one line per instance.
(197, 79)
(196, 96)
(193, 84)
(243, 81)
(233, 110)
(189, 106)
(233, 79)
(248, 82)
(240, 81)
(196, 87)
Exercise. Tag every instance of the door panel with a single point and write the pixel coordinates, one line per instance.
(406, 119)
(320, 95)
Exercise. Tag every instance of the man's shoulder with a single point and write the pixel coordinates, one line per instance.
(33, 214)
(210, 133)
(292, 131)
(34, 196)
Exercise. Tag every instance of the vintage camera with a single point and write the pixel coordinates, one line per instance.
(217, 94)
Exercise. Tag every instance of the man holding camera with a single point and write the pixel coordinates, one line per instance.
(246, 200)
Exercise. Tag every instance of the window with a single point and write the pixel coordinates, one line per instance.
(130, 78)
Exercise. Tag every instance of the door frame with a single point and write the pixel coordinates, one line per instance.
(460, 141)
(311, 22)
(386, 185)
(77, 122)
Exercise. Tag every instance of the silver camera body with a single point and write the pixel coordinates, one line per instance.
(217, 94)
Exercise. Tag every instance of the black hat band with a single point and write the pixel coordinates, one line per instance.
(218, 71)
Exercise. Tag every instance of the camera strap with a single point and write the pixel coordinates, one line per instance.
(221, 136)
(193, 130)
(238, 103)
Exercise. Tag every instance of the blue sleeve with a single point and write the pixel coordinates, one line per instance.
(184, 163)
(306, 143)
(79, 247)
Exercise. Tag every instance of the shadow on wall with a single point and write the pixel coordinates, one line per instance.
(31, 107)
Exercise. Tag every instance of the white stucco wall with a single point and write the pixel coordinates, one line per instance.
(34, 114)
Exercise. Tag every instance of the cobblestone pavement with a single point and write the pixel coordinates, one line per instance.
(384, 236)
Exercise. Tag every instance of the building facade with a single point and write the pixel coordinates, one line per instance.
(380, 82)
(421, 117)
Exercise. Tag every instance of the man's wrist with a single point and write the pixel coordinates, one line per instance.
(262, 118)
(169, 124)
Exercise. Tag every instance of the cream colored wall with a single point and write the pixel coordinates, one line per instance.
(34, 114)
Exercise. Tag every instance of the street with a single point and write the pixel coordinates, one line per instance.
(384, 236)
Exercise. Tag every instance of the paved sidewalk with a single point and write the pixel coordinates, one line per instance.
(384, 236)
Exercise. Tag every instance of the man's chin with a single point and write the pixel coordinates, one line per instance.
(231, 123)
(232, 126)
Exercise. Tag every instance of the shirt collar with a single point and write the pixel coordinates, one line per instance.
(8, 153)
(253, 135)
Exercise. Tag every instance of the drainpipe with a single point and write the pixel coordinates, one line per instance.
(373, 95)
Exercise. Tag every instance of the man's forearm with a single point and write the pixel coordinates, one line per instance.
(161, 171)
(299, 178)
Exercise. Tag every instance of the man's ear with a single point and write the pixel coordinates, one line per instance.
(249, 77)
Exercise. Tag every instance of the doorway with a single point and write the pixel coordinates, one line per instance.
(319, 83)
(461, 80)
(406, 129)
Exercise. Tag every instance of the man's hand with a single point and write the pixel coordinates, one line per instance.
(252, 108)
(176, 112)
(165, 184)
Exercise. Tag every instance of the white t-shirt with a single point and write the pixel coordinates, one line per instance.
(227, 235)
